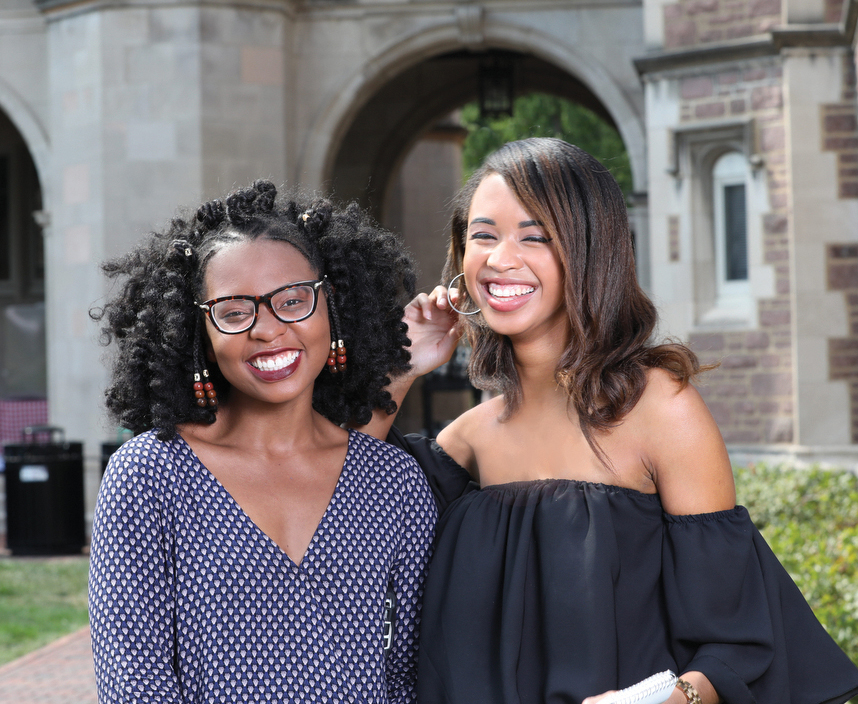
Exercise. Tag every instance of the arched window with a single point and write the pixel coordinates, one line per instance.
(730, 214)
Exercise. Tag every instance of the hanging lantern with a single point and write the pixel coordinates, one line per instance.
(496, 88)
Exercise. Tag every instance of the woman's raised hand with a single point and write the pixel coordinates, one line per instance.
(433, 330)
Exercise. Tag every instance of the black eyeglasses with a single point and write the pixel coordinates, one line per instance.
(289, 304)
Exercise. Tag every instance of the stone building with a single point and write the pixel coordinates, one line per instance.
(752, 145)
(739, 117)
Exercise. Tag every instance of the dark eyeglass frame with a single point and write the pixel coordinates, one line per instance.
(207, 306)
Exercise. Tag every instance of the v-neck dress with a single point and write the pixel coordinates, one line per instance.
(190, 601)
(547, 592)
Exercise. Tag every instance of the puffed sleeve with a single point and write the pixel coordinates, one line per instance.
(130, 581)
(447, 479)
(736, 616)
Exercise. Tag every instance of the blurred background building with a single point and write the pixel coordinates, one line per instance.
(737, 120)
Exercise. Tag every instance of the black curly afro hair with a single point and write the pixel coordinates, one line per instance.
(154, 321)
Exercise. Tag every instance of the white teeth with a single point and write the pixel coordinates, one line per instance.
(272, 364)
(509, 291)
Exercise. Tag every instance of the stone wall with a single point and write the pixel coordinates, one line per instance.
(840, 132)
(693, 22)
(750, 393)
(840, 135)
(843, 352)
(833, 10)
(780, 372)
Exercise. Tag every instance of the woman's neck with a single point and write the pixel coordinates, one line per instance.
(536, 363)
(246, 423)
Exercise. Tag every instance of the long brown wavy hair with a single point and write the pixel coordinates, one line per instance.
(611, 319)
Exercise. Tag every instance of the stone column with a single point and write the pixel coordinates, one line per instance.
(822, 150)
(151, 107)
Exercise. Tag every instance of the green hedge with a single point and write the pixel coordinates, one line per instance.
(810, 520)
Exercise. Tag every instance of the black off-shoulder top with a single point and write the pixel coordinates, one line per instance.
(551, 591)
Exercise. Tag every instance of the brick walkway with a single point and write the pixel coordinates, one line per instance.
(59, 673)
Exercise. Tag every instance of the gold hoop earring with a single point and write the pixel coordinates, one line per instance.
(449, 298)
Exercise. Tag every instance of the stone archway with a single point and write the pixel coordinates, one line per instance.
(385, 103)
(386, 125)
(31, 129)
(364, 128)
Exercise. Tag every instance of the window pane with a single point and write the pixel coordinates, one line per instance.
(735, 231)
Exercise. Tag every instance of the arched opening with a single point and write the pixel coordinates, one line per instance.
(409, 125)
(22, 279)
(401, 155)
(414, 100)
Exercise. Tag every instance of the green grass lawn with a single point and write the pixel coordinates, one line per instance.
(41, 599)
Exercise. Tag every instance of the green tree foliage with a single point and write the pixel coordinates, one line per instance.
(541, 115)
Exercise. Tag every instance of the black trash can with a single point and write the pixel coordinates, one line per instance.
(44, 494)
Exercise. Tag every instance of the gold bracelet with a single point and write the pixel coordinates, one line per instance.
(691, 694)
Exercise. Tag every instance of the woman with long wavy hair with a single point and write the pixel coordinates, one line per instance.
(589, 536)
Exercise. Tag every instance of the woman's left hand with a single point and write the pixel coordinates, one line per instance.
(594, 700)
(434, 333)
(433, 330)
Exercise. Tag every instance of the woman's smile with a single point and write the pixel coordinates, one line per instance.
(507, 297)
(274, 366)
(509, 290)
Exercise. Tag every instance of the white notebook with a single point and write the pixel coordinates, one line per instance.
(652, 690)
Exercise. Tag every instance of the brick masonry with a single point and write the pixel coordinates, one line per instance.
(842, 270)
(750, 393)
(840, 132)
(694, 22)
(60, 673)
(833, 10)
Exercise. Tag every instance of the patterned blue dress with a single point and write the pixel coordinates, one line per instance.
(190, 601)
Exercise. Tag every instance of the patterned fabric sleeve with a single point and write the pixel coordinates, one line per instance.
(130, 583)
(408, 574)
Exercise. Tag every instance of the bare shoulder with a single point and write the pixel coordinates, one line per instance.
(683, 447)
(458, 438)
(665, 399)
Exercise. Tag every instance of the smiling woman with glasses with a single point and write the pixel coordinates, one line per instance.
(245, 546)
